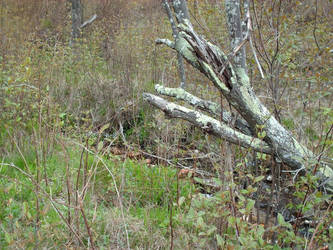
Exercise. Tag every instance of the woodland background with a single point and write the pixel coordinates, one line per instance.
(86, 163)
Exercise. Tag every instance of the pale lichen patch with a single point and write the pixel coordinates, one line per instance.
(213, 108)
(183, 47)
(242, 76)
(171, 106)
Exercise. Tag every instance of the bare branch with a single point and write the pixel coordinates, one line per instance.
(77, 14)
(171, 20)
(256, 58)
(208, 106)
(166, 42)
(240, 34)
(89, 21)
(208, 124)
(248, 36)
(315, 27)
(246, 5)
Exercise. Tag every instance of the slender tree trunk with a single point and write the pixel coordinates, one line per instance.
(77, 18)
(236, 31)
(180, 9)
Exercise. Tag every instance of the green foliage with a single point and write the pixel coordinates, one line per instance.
(53, 93)
(288, 123)
(145, 190)
(211, 222)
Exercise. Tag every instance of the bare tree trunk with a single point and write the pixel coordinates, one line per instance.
(232, 81)
(236, 31)
(77, 18)
(181, 13)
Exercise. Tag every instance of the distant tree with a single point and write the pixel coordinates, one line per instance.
(77, 19)
(256, 127)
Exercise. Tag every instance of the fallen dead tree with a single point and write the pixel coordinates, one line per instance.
(229, 76)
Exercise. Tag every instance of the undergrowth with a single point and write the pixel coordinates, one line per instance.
(66, 109)
(118, 198)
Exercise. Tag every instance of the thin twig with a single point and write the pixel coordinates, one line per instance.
(256, 58)
(315, 27)
(318, 225)
(63, 219)
(248, 37)
(87, 226)
(115, 185)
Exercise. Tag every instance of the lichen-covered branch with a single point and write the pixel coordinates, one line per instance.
(232, 81)
(234, 84)
(208, 106)
(171, 19)
(208, 124)
(166, 42)
(181, 10)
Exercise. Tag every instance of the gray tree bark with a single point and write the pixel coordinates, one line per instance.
(232, 81)
(236, 32)
(181, 12)
(77, 18)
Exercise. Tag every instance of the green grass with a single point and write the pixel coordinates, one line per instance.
(146, 193)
